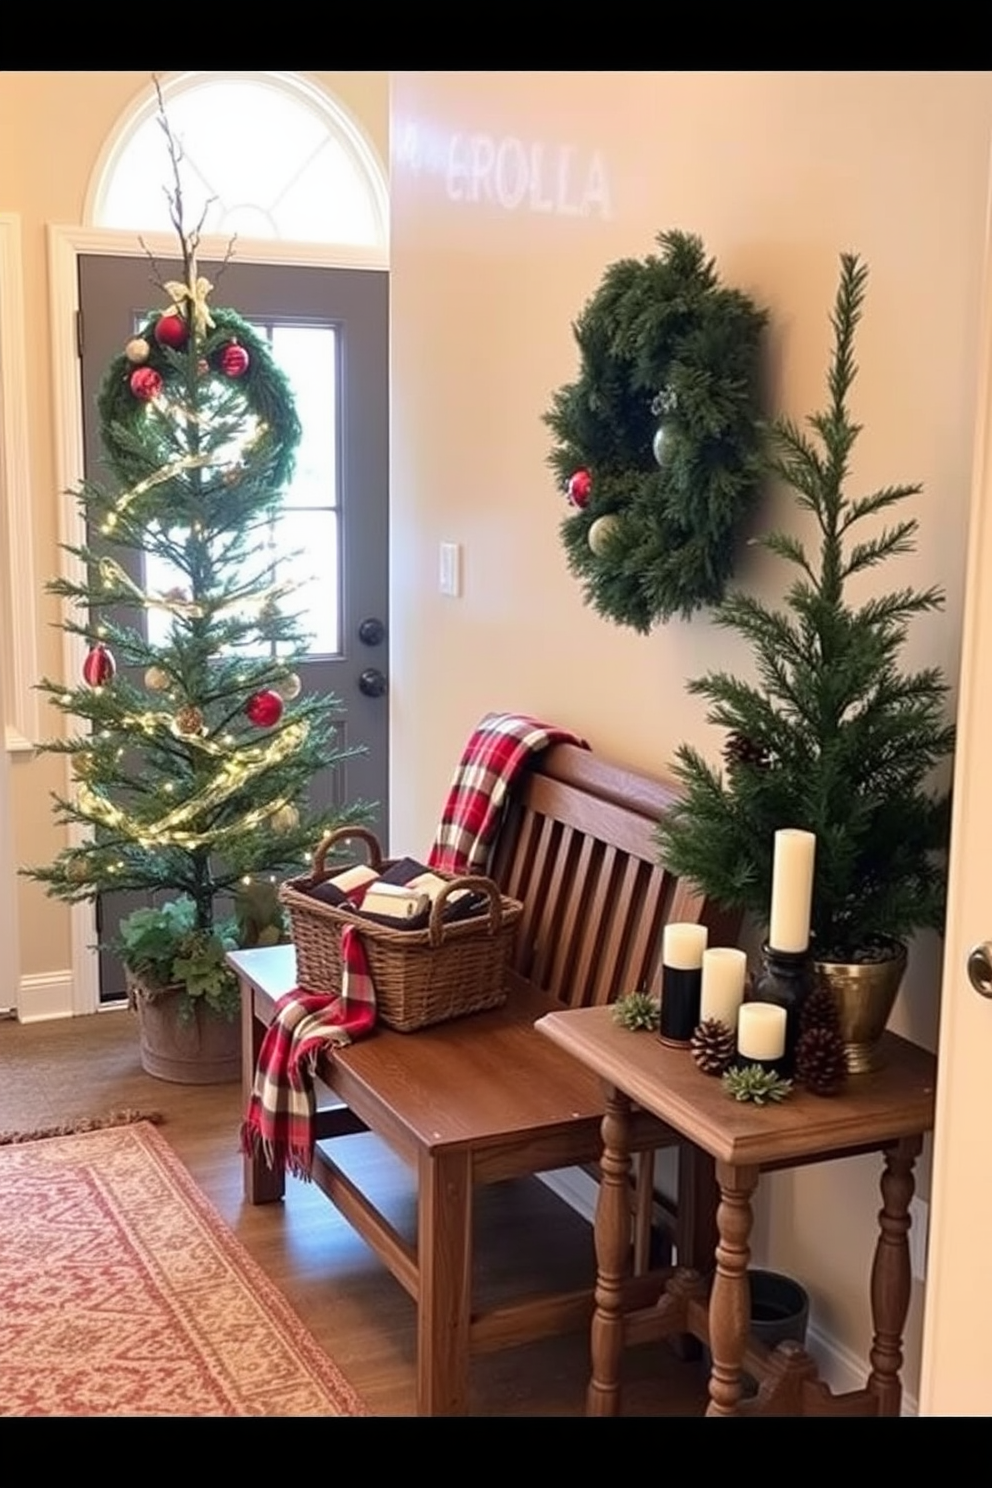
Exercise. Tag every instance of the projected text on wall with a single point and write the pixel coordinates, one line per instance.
(509, 172)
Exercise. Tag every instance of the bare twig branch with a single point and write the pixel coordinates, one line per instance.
(175, 196)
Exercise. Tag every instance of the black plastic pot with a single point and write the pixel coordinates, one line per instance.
(779, 1311)
(779, 1308)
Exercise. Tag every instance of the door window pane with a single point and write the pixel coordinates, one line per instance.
(303, 544)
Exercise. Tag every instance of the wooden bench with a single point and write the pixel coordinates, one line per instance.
(484, 1098)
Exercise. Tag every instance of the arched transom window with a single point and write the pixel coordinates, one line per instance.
(265, 155)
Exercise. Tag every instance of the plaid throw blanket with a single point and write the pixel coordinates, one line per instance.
(496, 752)
(279, 1121)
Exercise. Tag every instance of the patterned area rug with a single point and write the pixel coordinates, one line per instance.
(123, 1292)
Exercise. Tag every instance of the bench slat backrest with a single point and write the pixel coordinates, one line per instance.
(578, 849)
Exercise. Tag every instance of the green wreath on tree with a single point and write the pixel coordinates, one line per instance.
(245, 378)
(658, 441)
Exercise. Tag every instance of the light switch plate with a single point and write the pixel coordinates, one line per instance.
(450, 569)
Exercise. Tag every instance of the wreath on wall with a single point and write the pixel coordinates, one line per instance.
(657, 443)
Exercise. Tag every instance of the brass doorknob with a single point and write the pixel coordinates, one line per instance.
(980, 968)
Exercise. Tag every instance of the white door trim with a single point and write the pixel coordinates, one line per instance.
(959, 1196)
(65, 245)
(19, 607)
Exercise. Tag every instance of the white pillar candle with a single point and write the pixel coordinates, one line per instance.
(792, 890)
(761, 1031)
(722, 993)
(683, 945)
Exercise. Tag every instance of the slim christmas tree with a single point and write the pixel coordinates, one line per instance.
(835, 737)
(191, 770)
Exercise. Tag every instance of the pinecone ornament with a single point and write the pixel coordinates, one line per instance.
(740, 750)
(819, 1010)
(713, 1046)
(189, 720)
(821, 1064)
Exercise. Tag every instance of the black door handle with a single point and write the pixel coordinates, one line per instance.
(372, 683)
(372, 632)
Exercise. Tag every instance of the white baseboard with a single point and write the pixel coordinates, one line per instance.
(842, 1369)
(43, 997)
(839, 1367)
(577, 1189)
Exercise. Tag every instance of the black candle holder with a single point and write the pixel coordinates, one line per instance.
(770, 1066)
(680, 994)
(786, 979)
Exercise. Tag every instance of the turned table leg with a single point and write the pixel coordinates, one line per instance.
(730, 1300)
(891, 1276)
(612, 1239)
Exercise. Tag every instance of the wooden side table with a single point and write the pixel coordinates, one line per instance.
(887, 1112)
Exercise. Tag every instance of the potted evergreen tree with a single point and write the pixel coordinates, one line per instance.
(833, 737)
(192, 768)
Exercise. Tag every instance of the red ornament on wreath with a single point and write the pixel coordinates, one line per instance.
(99, 667)
(234, 360)
(580, 488)
(264, 709)
(146, 383)
(171, 330)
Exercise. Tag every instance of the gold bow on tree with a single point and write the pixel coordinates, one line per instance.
(196, 292)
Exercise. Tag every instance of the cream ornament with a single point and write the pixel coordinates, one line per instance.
(156, 680)
(137, 350)
(285, 819)
(602, 533)
(289, 688)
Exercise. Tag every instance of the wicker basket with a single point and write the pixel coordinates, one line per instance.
(420, 976)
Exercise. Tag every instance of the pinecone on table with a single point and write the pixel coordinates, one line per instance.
(821, 1064)
(819, 1010)
(713, 1046)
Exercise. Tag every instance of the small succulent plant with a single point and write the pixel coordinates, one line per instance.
(752, 1083)
(637, 1011)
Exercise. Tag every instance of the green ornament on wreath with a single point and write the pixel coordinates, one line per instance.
(657, 444)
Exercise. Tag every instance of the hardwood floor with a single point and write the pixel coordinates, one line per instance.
(60, 1071)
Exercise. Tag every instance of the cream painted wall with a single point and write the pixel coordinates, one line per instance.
(779, 173)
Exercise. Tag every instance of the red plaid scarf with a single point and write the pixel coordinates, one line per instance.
(496, 752)
(279, 1121)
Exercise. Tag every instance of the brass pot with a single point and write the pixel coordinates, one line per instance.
(864, 993)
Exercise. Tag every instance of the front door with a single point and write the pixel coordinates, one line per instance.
(957, 1365)
(329, 332)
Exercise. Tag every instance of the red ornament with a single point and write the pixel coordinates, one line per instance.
(99, 666)
(172, 330)
(264, 709)
(146, 383)
(234, 360)
(580, 488)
